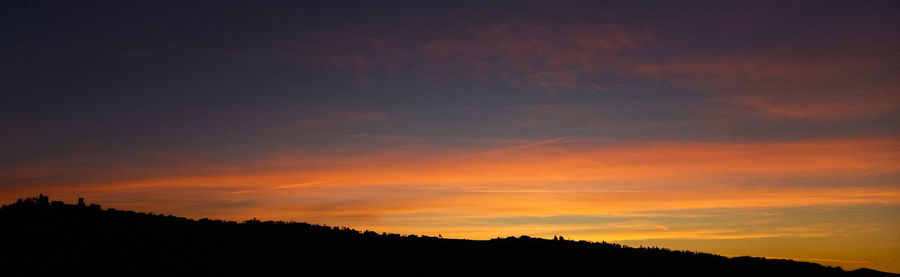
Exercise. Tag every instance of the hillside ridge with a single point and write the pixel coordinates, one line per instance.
(57, 238)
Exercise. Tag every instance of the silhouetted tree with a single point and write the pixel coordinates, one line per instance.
(40, 240)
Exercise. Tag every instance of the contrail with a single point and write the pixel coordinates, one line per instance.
(301, 184)
(548, 141)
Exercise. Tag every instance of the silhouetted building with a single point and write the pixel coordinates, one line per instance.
(81, 201)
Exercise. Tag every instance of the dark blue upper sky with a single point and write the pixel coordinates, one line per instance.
(101, 82)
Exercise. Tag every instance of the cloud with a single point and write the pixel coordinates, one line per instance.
(844, 80)
(860, 105)
(832, 85)
(572, 175)
(513, 53)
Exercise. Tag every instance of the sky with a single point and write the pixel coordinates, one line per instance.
(769, 128)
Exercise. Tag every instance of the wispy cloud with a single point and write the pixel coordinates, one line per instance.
(297, 185)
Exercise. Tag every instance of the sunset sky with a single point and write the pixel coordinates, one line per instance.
(736, 128)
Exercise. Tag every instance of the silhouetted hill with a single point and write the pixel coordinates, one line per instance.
(44, 238)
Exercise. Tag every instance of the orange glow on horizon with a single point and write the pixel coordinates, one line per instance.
(554, 177)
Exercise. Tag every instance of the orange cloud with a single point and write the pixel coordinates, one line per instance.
(575, 173)
(865, 105)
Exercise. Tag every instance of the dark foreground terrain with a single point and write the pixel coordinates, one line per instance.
(43, 238)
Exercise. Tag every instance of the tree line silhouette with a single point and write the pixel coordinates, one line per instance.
(43, 238)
